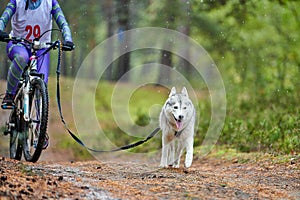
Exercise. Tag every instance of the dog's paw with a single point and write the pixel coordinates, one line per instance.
(163, 166)
(187, 164)
(175, 164)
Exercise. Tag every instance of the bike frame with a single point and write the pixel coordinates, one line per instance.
(25, 83)
(26, 89)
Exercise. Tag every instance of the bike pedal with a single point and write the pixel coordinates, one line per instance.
(7, 107)
(8, 129)
(6, 132)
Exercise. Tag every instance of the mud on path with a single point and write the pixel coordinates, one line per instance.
(209, 178)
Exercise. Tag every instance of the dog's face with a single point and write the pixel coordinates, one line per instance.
(178, 108)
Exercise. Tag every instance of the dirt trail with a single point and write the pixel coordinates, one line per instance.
(209, 178)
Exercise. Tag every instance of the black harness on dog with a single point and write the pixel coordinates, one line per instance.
(178, 133)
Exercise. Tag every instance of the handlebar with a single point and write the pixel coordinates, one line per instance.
(36, 44)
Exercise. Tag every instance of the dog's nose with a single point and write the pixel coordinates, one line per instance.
(180, 117)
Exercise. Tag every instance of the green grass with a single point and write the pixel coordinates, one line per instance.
(264, 122)
(138, 102)
(233, 155)
(267, 123)
(133, 110)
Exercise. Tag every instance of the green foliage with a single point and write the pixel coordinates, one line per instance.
(268, 123)
(142, 119)
(262, 124)
(67, 144)
(143, 106)
(233, 155)
(255, 45)
(165, 13)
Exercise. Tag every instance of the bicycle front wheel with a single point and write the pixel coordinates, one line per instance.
(36, 128)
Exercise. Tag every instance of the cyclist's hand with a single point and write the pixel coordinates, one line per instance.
(68, 46)
(3, 36)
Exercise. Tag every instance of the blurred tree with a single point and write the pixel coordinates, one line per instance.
(255, 40)
(123, 13)
(185, 28)
(165, 13)
(84, 20)
(108, 10)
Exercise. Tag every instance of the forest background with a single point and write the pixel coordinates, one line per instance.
(255, 45)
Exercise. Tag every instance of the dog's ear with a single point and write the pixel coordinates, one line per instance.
(173, 91)
(184, 92)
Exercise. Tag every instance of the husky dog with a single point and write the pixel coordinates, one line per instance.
(177, 121)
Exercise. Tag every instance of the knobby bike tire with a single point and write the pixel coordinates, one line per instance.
(16, 118)
(35, 129)
(15, 146)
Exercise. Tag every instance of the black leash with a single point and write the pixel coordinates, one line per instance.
(129, 146)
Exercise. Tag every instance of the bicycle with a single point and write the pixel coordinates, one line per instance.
(28, 120)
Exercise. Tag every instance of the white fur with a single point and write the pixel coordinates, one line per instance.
(178, 106)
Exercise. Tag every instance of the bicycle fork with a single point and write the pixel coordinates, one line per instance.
(26, 91)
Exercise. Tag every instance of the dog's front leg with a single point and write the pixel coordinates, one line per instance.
(179, 151)
(164, 153)
(189, 152)
(171, 153)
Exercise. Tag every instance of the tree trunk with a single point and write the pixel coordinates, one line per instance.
(124, 40)
(166, 60)
(92, 63)
(108, 14)
(73, 64)
(185, 28)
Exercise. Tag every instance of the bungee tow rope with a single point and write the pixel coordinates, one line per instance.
(129, 146)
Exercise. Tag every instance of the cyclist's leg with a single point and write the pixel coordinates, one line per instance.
(43, 68)
(43, 65)
(19, 56)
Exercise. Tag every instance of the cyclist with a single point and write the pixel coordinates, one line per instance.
(30, 18)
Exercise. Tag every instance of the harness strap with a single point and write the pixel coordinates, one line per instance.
(129, 146)
(178, 133)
